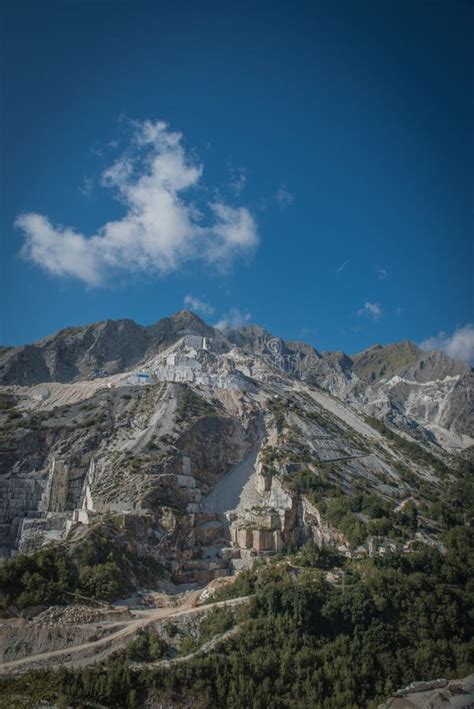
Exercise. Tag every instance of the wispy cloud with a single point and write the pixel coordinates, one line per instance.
(284, 197)
(163, 225)
(381, 273)
(238, 180)
(459, 345)
(87, 186)
(198, 305)
(307, 331)
(372, 310)
(233, 319)
(340, 268)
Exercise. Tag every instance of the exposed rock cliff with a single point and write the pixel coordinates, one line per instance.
(225, 443)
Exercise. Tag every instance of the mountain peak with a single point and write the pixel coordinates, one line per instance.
(382, 361)
(188, 323)
(186, 315)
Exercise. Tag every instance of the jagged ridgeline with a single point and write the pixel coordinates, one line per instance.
(199, 451)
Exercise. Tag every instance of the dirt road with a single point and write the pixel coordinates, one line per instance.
(87, 653)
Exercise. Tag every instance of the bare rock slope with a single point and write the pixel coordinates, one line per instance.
(209, 449)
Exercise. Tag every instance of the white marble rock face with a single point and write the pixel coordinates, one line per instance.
(110, 441)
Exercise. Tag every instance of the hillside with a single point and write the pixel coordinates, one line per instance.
(137, 420)
(139, 462)
(379, 362)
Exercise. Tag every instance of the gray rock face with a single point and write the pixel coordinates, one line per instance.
(379, 362)
(433, 694)
(433, 392)
(23, 365)
(181, 406)
(90, 351)
(408, 388)
(434, 366)
(415, 391)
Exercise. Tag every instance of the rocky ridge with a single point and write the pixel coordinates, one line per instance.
(210, 449)
(434, 693)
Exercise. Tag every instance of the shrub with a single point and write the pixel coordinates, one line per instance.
(191, 405)
(100, 567)
(310, 555)
(102, 581)
(44, 577)
(146, 647)
(398, 618)
(188, 645)
(215, 623)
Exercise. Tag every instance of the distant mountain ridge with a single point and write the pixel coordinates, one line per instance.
(384, 360)
(89, 351)
(176, 425)
(85, 351)
(398, 383)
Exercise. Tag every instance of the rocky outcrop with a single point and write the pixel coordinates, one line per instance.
(427, 393)
(95, 350)
(433, 694)
(171, 443)
(272, 519)
(382, 362)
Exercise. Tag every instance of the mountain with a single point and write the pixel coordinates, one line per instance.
(137, 463)
(379, 362)
(426, 394)
(121, 417)
(90, 351)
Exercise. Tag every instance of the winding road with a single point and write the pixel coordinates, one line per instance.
(98, 650)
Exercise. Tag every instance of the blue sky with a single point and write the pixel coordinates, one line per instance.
(305, 166)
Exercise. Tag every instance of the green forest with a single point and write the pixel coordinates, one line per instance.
(302, 642)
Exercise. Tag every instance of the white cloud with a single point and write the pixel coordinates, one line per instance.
(87, 186)
(340, 268)
(381, 274)
(238, 180)
(459, 345)
(284, 197)
(163, 226)
(198, 305)
(373, 310)
(233, 319)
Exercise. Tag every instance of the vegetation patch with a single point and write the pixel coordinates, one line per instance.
(146, 647)
(305, 642)
(102, 567)
(412, 450)
(192, 405)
